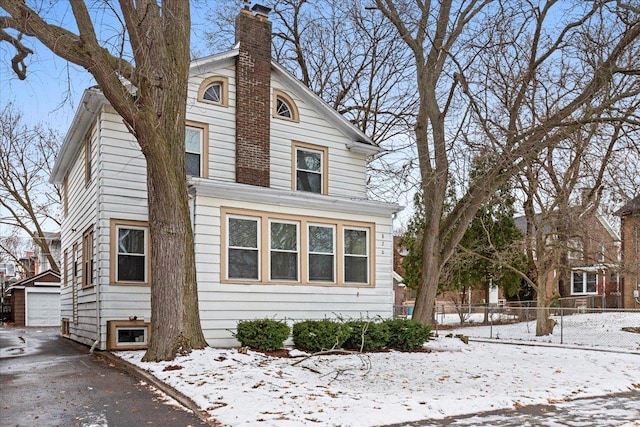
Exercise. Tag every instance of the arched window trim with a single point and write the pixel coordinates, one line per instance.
(282, 96)
(224, 87)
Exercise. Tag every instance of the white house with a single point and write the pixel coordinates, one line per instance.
(283, 227)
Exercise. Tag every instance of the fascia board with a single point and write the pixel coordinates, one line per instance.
(334, 117)
(292, 199)
(90, 106)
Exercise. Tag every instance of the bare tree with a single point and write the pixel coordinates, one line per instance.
(149, 90)
(350, 57)
(483, 70)
(26, 159)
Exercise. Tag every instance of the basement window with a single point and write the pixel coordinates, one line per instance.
(127, 334)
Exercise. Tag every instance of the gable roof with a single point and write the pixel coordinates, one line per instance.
(33, 279)
(93, 100)
(521, 222)
(633, 206)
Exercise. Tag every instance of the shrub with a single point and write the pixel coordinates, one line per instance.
(406, 334)
(376, 335)
(318, 335)
(262, 334)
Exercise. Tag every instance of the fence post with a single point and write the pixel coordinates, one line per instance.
(561, 325)
(490, 322)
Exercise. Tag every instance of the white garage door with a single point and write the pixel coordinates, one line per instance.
(43, 309)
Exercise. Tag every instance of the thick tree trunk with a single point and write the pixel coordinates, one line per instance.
(423, 311)
(174, 298)
(544, 323)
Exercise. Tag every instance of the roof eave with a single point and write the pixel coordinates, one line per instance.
(90, 104)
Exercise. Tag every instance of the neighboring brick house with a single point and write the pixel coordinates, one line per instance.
(277, 184)
(630, 236)
(587, 263)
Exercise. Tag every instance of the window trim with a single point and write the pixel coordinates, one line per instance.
(324, 167)
(265, 218)
(225, 246)
(115, 225)
(295, 116)
(271, 250)
(204, 146)
(87, 258)
(224, 89)
(367, 251)
(65, 267)
(584, 282)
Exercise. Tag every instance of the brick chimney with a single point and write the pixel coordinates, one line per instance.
(253, 93)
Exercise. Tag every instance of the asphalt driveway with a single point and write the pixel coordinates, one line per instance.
(47, 380)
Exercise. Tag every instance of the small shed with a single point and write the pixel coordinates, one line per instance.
(36, 300)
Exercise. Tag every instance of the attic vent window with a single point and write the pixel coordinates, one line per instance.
(213, 93)
(214, 90)
(284, 107)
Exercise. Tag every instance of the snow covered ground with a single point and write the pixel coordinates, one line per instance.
(381, 388)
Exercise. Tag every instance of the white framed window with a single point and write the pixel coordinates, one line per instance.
(309, 169)
(283, 246)
(128, 335)
(584, 282)
(322, 250)
(279, 248)
(356, 255)
(130, 262)
(243, 246)
(193, 150)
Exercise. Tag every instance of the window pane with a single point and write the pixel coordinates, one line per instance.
(309, 160)
(193, 164)
(309, 181)
(591, 282)
(282, 109)
(213, 93)
(243, 264)
(192, 140)
(284, 236)
(355, 242)
(131, 241)
(355, 269)
(284, 266)
(243, 233)
(320, 239)
(131, 268)
(321, 267)
(577, 282)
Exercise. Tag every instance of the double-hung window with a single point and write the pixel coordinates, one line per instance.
(321, 253)
(284, 243)
(310, 168)
(130, 252)
(244, 248)
(356, 255)
(193, 150)
(583, 282)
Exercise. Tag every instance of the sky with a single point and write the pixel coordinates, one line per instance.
(53, 87)
(381, 388)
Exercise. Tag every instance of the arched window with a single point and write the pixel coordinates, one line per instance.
(284, 107)
(214, 90)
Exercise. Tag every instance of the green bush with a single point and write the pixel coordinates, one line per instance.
(262, 334)
(376, 335)
(318, 335)
(406, 334)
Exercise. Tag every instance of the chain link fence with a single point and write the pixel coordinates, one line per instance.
(576, 325)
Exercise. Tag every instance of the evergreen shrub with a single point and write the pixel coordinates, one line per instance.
(405, 334)
(318, 335)
(376, 335)
(262, 334)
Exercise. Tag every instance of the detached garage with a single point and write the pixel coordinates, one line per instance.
(36, 301)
